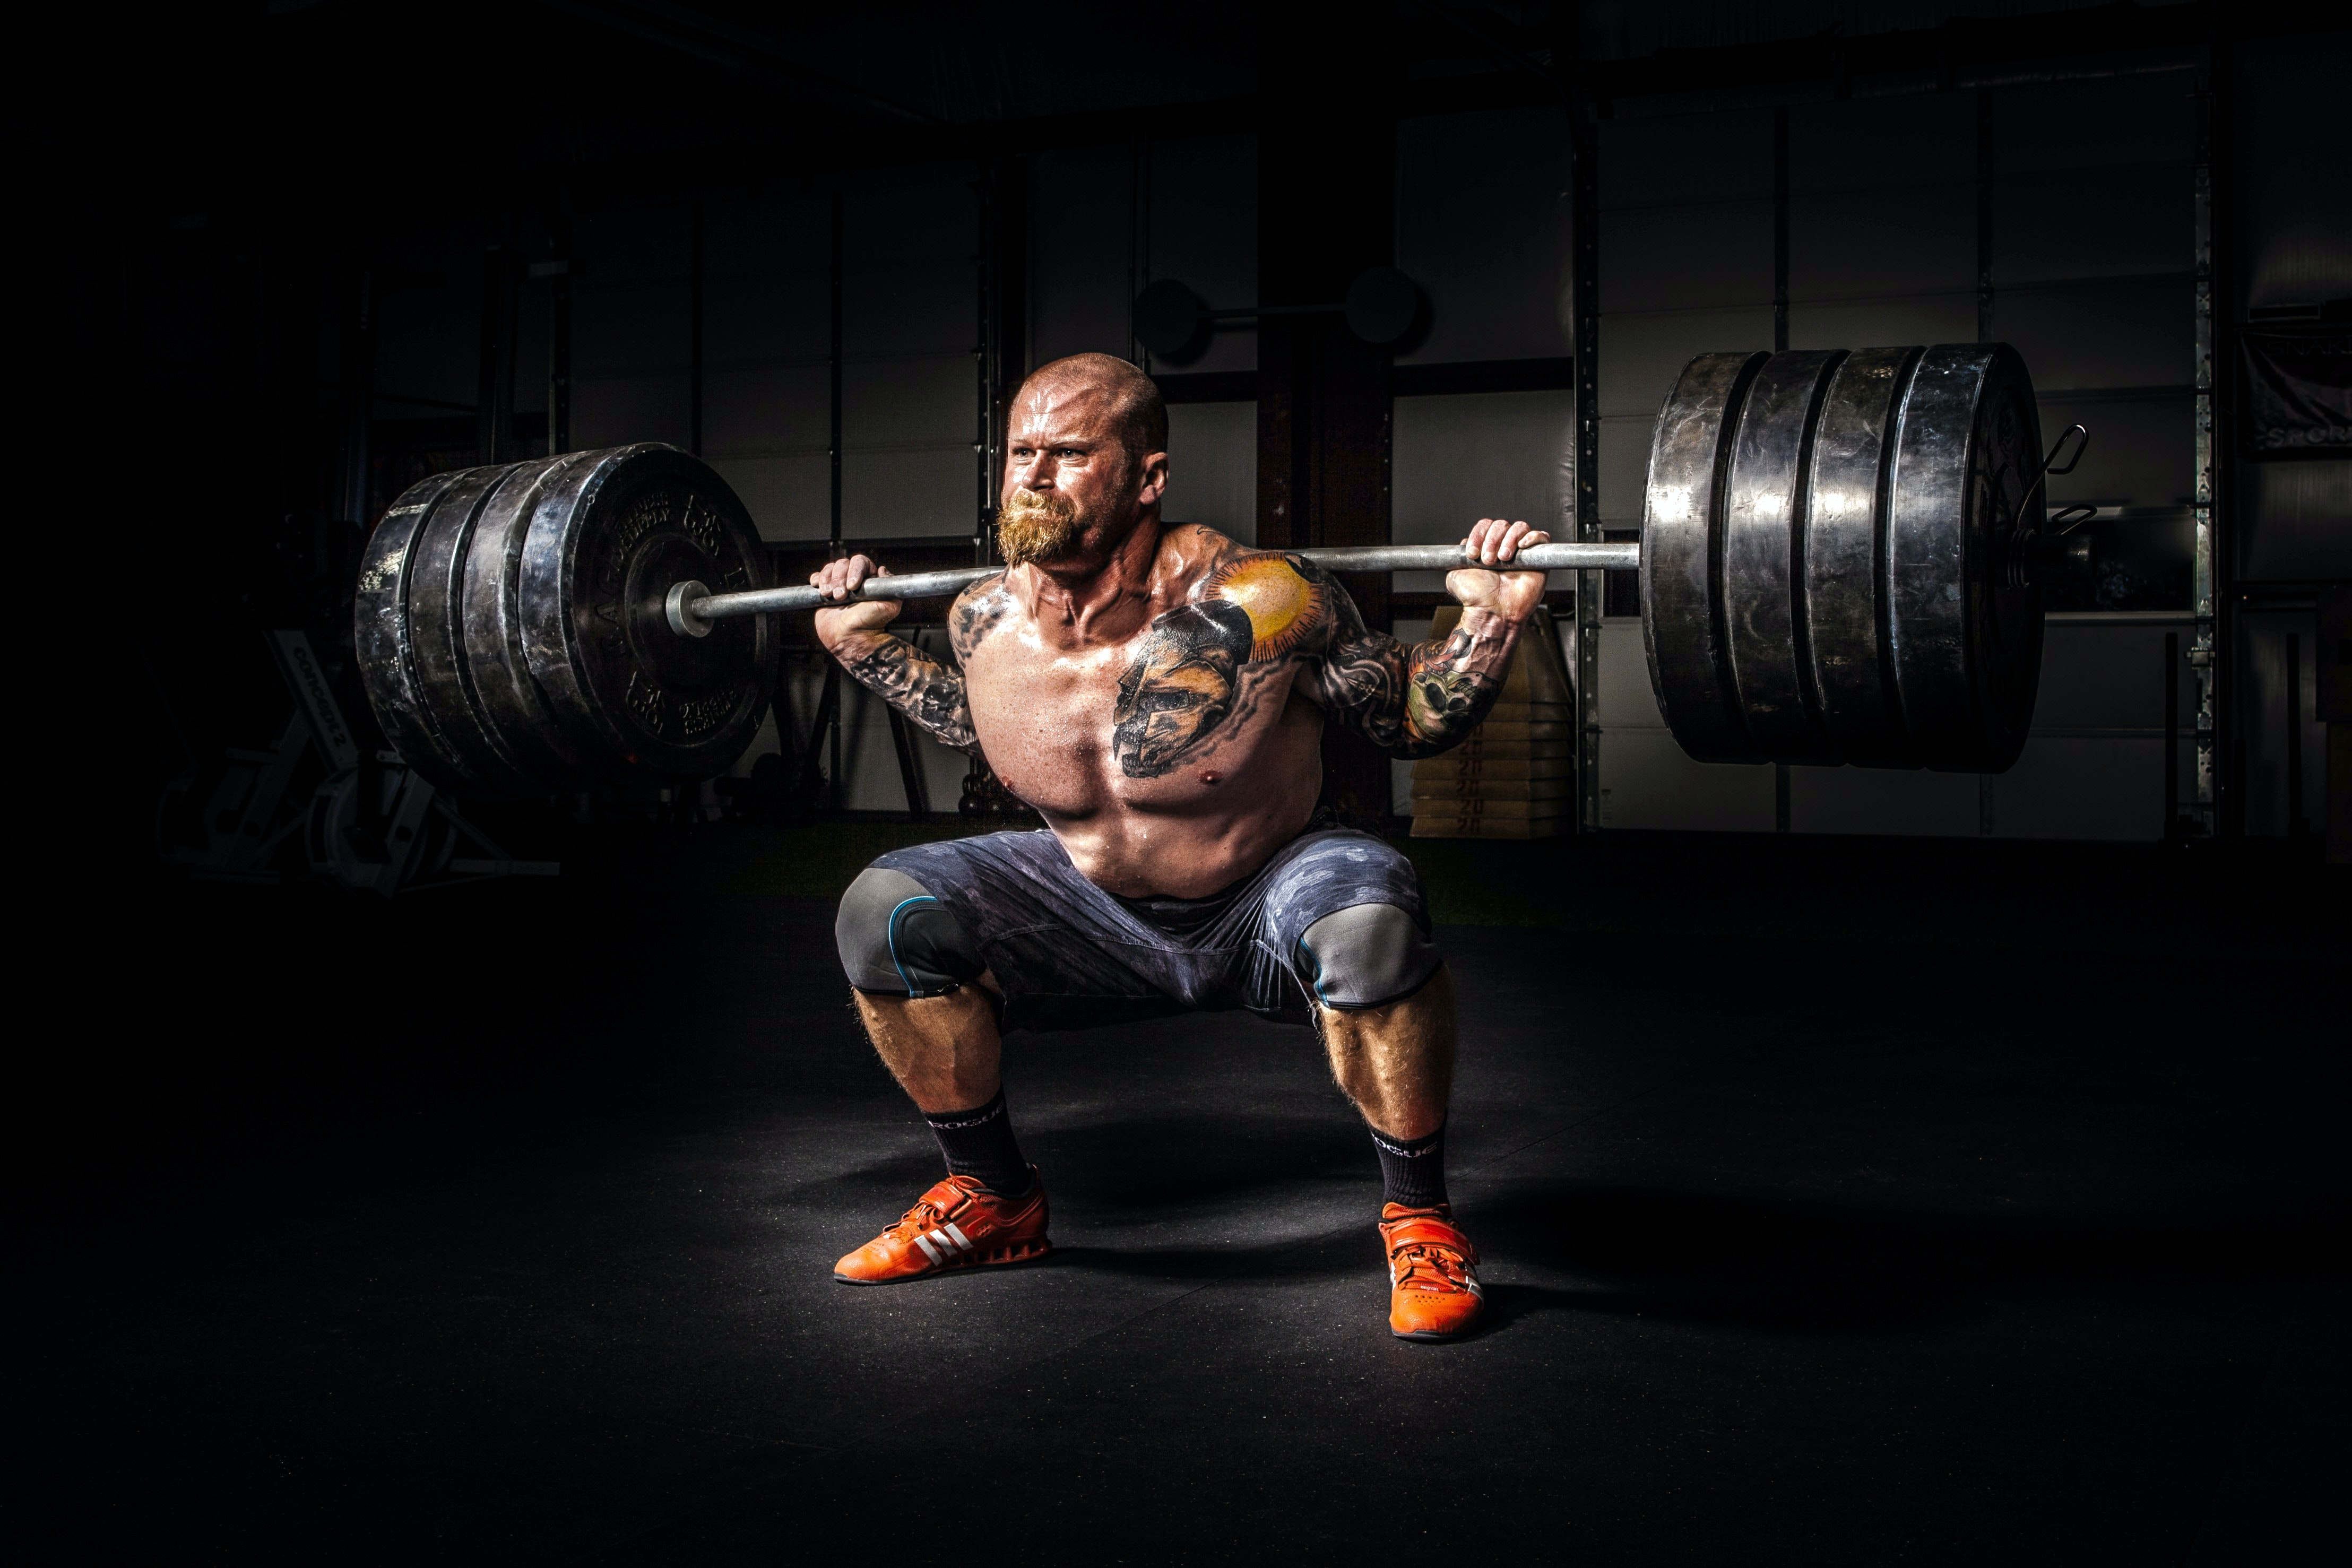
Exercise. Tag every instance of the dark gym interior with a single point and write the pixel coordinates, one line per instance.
(1928, 1161)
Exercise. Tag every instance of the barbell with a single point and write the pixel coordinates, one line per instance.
(1836, 567)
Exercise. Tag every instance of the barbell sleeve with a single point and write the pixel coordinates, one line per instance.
(692, 607)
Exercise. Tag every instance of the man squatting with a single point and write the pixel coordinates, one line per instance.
(1159, 695)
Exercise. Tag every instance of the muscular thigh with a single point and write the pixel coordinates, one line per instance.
(1063, 953)
(1336, 916)
(1343, 914)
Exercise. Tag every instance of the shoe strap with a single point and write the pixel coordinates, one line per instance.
(1426, 1230)
(970, 1206)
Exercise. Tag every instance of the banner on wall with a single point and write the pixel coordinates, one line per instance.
(2298, 392)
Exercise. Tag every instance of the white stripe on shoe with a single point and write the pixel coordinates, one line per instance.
(930, 1251)
(961, 1239)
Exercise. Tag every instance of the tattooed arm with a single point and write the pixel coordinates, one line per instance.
(925, 691)
(1422, 700)
(918, 686)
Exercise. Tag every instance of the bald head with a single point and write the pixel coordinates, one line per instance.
(1085, 463)
(1131, 400)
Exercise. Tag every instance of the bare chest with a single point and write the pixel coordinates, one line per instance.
(1149, 723)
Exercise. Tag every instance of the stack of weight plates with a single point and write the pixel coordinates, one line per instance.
(1830, 557)
(1514, 778)
(513, 636)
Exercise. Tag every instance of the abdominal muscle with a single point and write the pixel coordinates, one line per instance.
(1202, 826)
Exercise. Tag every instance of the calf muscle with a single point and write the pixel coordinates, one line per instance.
(943, 1051)
(1396, 1062)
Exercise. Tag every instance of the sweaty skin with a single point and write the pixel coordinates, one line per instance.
(1159, 694)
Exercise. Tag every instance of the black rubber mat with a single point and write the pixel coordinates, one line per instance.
(1841, 1202)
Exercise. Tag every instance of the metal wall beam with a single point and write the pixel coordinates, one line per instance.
(1004, 327)
(694, 333)
(1552, 373)
(1583, 641)
(494, 399)
(557, 273)
(2208, 588)
(1327, 199)
(355, 400)
(1988, 147)
(829, 706)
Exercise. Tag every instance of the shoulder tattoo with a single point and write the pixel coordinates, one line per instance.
(977, 611)
(1254, 609)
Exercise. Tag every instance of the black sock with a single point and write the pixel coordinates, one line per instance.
(980, 1143)
(1413, 1172)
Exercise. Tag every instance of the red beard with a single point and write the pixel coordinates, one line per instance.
(1034, 528)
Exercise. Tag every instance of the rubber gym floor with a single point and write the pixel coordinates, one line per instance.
(1843, 1201)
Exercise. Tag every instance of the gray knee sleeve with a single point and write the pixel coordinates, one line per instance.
(898, 940)
(1367, 956)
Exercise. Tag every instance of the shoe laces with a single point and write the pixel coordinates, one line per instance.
(924, 1216)
(1430, 1265)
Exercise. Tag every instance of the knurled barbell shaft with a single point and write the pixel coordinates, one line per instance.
(691, 608)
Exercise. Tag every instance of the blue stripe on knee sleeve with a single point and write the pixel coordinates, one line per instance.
(897, 962)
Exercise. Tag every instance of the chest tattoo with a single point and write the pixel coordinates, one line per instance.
(1182, 683)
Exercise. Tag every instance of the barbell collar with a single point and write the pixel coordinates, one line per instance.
(691, 607)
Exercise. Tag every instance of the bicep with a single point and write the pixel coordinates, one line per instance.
(1349, 665)
(1361, 678)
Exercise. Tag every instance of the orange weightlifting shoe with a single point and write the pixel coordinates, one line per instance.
(958, 1224)
(1433, 1273)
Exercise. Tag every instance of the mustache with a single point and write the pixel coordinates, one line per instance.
(1030, 504)
(1037, 528)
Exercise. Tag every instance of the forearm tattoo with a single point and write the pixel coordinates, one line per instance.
(925, 691)
(918, 686)
(1417, 701)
